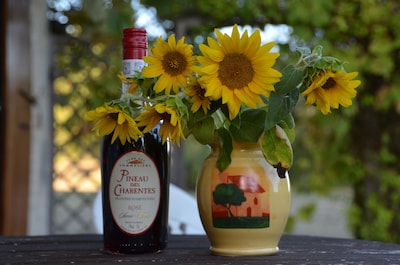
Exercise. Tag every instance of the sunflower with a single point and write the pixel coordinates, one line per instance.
(172, 61)
(330, 89)
(170, 122)
(196, 94)
(110, 119)
(237, 69)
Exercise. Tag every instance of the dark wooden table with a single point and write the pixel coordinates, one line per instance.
(87, 249)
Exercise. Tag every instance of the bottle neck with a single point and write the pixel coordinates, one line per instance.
(131, 66)
(134, 44)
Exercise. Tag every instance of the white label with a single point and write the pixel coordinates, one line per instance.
(130, 66)
(134, 192)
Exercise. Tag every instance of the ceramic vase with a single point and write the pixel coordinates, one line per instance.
(243, 209)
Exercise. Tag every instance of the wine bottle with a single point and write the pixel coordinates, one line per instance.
(135, 177)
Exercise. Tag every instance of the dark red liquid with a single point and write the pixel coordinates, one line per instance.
(156, 236)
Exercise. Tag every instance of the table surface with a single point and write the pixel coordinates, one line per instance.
(87, 249)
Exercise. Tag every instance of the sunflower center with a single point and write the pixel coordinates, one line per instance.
(199, 91)
(174, 63)
(235, 71)
(113, 116)
(330, 83)
(166, 117)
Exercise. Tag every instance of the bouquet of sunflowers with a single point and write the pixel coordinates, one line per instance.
(229, 92)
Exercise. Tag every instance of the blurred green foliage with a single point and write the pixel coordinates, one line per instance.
(356, 146)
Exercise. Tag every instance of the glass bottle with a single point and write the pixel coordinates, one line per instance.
(135, 177)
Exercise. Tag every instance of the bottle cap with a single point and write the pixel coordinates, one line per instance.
(134, 43)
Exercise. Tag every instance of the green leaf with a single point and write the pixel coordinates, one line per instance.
(304, 51)
(146, 86)
(291, 79)
(225, 149)
(289, 121)
(203, 130)
(277, 148)
(279, 106)
(288, 125)
(249, 126)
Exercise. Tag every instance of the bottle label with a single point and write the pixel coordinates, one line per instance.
(130, 66)
(135, 192)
